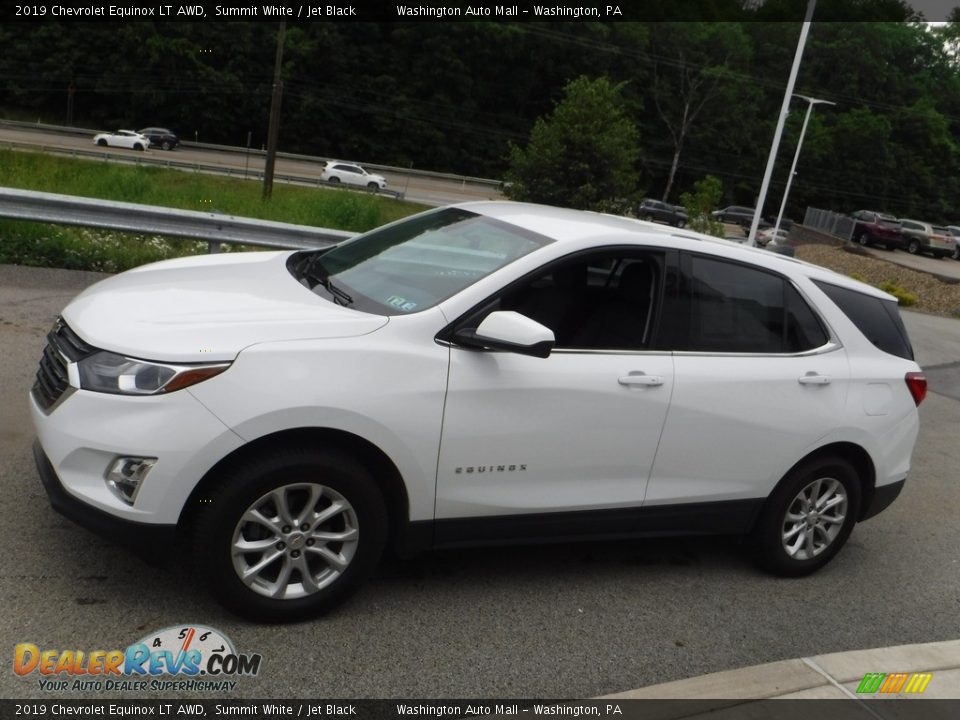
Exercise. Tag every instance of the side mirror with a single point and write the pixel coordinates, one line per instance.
(510, 331)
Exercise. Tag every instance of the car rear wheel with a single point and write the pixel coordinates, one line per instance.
(956, 253)
(914, 247)
(680, 223)
(648, 217)
(138, 146)
(291, 535)
(863, 238)
(101, 142)
(334, 180)
(808, 518)
(165, 145)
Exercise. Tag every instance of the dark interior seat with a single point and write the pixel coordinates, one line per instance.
(621, 320)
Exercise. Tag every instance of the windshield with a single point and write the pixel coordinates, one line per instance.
(414, 264)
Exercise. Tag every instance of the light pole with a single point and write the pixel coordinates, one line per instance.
(796, 156)
(801, 42)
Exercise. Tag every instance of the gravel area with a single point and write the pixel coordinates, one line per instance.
(933, 294)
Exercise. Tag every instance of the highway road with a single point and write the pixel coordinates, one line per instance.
(553, 621)
(416, 188)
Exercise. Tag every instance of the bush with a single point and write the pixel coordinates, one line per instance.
(903, 296)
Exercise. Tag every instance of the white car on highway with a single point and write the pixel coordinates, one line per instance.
(490, 372)
(122, 138)
(350, 174)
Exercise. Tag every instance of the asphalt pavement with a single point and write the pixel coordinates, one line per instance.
(555, 621)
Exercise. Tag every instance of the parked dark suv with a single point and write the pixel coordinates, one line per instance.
(160, 137)
(735, 214)
(875, 228)
(664, 212)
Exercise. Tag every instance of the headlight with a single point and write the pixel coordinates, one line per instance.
(111, 373)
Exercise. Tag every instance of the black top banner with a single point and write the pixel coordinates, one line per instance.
(457, 11)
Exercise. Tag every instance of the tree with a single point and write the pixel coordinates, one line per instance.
(701, 203)
(583, 155)
(693, 64)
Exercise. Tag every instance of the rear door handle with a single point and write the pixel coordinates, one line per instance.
(640, 378)
(813, 378)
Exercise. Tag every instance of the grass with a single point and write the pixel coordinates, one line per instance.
(27, 243)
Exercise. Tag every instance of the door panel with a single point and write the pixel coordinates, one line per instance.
(735, 421)
(574, 431)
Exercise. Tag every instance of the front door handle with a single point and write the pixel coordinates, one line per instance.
(640, 378)
(814, 378)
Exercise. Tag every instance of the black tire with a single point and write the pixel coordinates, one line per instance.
(138, 146)
(296, 471)
(864, 239)
(165, 145)
(334, 180)
(956, 253)
(101, 142)
(373, 186)
(648, 217)
(770, 535)
(914, 247)
(680, 223)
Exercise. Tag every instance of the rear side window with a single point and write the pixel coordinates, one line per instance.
(878, 320)
(733, 308)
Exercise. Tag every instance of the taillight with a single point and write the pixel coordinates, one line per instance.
(917, 384)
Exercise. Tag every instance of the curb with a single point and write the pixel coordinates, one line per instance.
(833, 676)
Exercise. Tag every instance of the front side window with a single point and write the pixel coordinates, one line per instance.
(725, 307)
(414, 264)
(598, 301)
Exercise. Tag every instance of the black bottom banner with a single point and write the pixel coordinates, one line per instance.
(913, 709)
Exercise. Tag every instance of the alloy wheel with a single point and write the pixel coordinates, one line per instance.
(814, 518)
(295, 540)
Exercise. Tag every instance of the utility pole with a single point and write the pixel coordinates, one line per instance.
(752, 236)
(796, 156)
(273, 131)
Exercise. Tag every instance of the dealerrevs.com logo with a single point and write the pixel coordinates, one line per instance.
(180, 657)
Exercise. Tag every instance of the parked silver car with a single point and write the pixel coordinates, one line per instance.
(922, 237)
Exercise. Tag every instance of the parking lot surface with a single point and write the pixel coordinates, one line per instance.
(552, 621)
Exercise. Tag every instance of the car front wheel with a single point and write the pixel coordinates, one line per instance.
(101, 142)
(914, 247)
(956, 253)
(373, 186)
(808, 518)
(165, 145)
(292, 535)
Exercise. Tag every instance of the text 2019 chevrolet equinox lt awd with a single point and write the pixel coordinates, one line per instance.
(487, 372)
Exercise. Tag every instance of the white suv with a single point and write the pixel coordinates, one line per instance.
(488, 372)
(340, 172)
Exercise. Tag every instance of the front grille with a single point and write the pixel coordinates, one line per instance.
(63, 346)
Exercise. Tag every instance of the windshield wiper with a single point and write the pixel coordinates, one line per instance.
(338, 295)
(314, 270)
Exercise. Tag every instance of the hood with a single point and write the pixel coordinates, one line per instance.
(208, 308)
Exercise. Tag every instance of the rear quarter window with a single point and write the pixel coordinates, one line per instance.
(879, 320)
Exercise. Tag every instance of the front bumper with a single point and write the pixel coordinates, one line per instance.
(146, 539)
(84, 434)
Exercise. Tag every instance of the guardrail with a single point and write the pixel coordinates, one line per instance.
(411, 172)
(215, 228)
